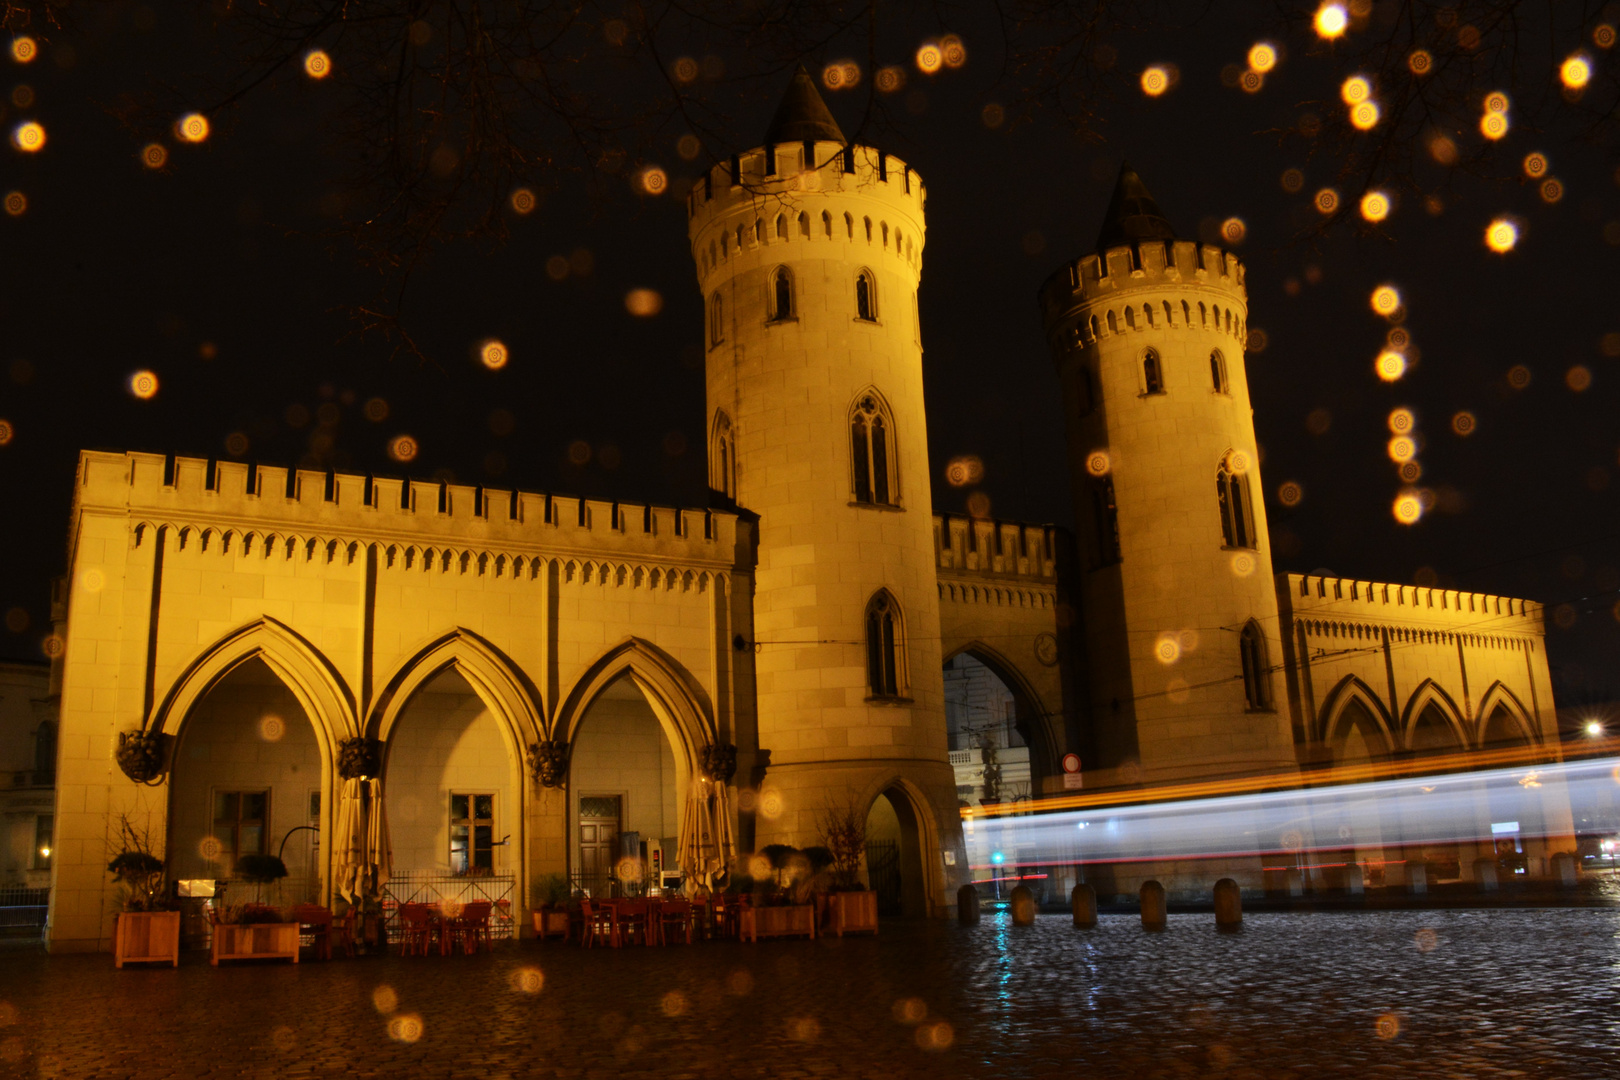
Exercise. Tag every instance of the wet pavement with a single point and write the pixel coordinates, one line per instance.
(1415, 993)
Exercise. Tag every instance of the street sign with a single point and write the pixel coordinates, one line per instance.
(1071, 763)
(1073, 781)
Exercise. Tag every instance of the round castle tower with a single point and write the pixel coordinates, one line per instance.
(1178, 598)
(809, 254)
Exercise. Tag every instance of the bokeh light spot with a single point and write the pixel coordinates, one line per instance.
(1233, 230)
(29, 137)
(154, 155)
(403, 448)
(1375, 206)
(1402, 448)
(952, 49)
(523, 201)
(494, 354)
(964, 470)
(937, 1035)
(272, 728)
(1386, 300)
(1390, 365)
(236, 444)
(1331, 21)
(1603, 36)
(1575, 72)
(406, 1028)
(652, 180)
(1365, 116)
(1551, 190)
(1419, 62)
(24, 49)
(1355, 90)
(7, 433)
(891, 78)
(993, 115)
(1388, 1026)
(1327, 200)
(1290, 493)
(144, 385)
(1518, 376)
(1168, 648)
(1578, 378)
(1251, 82)
(1262, 57)
(929, 58)
(689, 147)
(1493, 125)
(644, 303)
(1464, 423)
(1501, 235)
(16, 203)
(317, 65)
(673, 1003)
(1401, 421)
(1408, 508)
(910, 1010)
(686, 70)
(528, 980)
(1155, 80)
(1097, 463)
(1535, 165)
(193, 127)
(1496, 102)
(1292, 180)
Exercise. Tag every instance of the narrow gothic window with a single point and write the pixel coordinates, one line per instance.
(804, 225)
(1217, 371)
(781, 227)
(826, 224)
(1152, 374)
(1256, 676)
(716, 334)
(1232, 493)
(871, 435)
(781, 295)
(722, 461)
(883, 646)
(759, 231)
(865, 296)
(1105, 515)
(868, 229)
(849, 225)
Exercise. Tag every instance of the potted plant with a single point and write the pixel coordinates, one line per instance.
(551, 916)
(783, 904)
(148, 926)
(847, 906)
(254, 931)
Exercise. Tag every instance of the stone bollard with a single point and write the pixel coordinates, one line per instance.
(1228, 905)
(1084, 902)
(1353, 884)
(1563, 870)
(967, 905)
(1153, 906)
(1417, 878)
(1023, 906)
(1485, 874)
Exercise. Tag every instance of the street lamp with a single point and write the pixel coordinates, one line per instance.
(1594, 729)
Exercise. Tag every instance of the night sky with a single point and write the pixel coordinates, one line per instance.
(215, 274)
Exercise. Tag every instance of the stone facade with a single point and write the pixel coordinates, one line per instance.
(27, 775)
(525, 663)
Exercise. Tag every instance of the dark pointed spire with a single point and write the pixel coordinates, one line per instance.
(1132, 214)
(803, 115)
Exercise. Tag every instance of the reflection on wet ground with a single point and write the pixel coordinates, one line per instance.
(1410, 993)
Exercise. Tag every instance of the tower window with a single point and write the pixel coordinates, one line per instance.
(883, 646)
(759, 231)
(871, 433)
(849, 225)
(865, 296)
(826, 224)
(804, 225)
(1217, 372)
(716, 310)
(781, 294)
(868, 229)
(1105, 518)
(1256, 673)
(1232, 492)
(1152, 373)
(781, 227)
(722, 457)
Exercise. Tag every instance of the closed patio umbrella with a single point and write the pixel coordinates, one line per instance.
(379, 854)
(349, 842)
(706, 844)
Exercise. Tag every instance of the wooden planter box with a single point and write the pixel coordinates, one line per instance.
(550, 920)
(255, 941)
(849, 913)
(143, 936)
(792, 921)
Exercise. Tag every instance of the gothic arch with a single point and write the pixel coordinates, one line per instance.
(313, 680)
(928, 837)
(498, 682)
(1429, 693)
(1499, 697)
(1034, 718)
(1351, 689)
(874, 460)
(676, 698)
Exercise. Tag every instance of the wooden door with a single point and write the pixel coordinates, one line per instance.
(598, 842)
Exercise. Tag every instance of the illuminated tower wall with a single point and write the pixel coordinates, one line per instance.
(809, 256)
(1179, 606)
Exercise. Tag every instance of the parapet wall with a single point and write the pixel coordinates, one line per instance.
(310, 508)
(1099, 282)
(982, 547)
(1409, 608)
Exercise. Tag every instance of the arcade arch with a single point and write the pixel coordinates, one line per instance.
(990, 707)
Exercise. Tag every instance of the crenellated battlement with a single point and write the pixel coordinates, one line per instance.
(986, 548)
(307, 508)
(1100, 295)
(810, 192)
(1311, 597)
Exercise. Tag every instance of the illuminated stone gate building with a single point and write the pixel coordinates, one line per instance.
(540, 676)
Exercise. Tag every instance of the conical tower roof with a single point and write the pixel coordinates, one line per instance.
(803, 115)
(1132, 214)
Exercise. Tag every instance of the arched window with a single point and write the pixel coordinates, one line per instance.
(1147, 312)
(885, 646)
(885, 227)
(804, 225)
(868, 229)
(717, 332)
(1217, 371)
(1113, 323)
(739, 238)
(1130, 318)
(871, 439)
(826, 224)
(1232, 492)
(865, 296)
(722, 457)
(781, 294)
(849, 225)
(759, 231)
(1169, 315)
(1256, 672)
(781, 227)
(1105, 519)
(1152, 373)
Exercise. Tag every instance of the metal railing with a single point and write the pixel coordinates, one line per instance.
(22, 910)
(433, 887)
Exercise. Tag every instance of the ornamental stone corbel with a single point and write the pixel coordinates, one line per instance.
(548, 761)
(358, 757)
(720, 762)
(141, 755)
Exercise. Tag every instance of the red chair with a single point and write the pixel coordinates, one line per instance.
(315, 920)
(471, 927)
(419, 928)
(675, 916)
(597, 922)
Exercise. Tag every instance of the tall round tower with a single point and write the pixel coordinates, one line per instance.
(1179, 608)
(809, 255)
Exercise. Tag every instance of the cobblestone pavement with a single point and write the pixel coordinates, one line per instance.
(1437, 993)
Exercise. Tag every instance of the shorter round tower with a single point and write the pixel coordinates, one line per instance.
(1179, 604)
